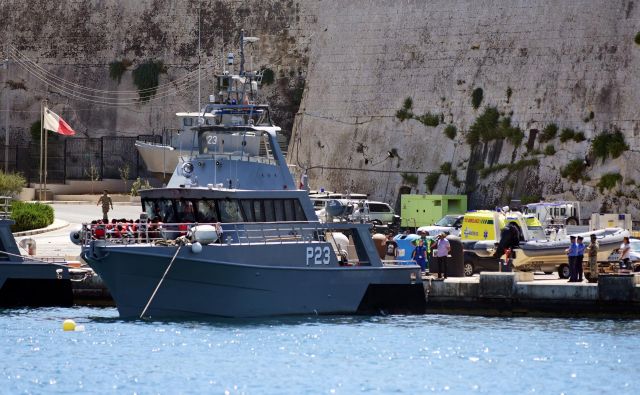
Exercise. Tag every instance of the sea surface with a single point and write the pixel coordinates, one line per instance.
(325, 355)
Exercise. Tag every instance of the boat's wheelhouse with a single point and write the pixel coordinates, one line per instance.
(223, 210)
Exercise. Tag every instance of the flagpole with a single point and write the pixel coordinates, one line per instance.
(45, 164)
(42, 104)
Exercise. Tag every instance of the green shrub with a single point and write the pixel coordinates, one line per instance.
(30, 216)
(138, 185)
(451, 131)
(268, 76)
(637, 38)
(579, 137)
(511, 167)
(11, 183)
(489, 126)
(566, 135)
(409, 179)
(117, 69)
(485, 172)
(431, 181)
(609, 144)
(609, 181)
(513, 134)
(429, 119)
(476, 98)
(485, 127)
(549, 150)
(405, 112)
(548, 133)
(445, 168)
(146, 77)
(574, 170)
(509, 93)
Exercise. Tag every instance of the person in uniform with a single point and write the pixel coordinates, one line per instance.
(592, 253)
(419, 255)
(105, 199)
(580, 258)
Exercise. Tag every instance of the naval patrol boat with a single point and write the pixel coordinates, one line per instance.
(232, 235)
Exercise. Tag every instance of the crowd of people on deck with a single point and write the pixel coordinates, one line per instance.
(126, 229)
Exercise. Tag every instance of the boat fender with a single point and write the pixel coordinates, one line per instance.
(196, 248)
(76, 237)
(204, 234)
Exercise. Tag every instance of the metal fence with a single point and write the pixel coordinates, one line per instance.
(79, 158)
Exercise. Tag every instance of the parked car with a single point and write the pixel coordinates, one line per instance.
(358, 210)
(474, 263)
(449, 223)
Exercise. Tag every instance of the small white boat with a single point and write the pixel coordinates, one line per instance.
(537, 253)
(159, 158)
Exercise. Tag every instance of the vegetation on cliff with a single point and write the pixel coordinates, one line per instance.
(491, 126)
(146, 77)
(609, 144)
(609, 181)
(117, 69)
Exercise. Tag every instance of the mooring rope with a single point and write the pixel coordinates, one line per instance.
(160, 282)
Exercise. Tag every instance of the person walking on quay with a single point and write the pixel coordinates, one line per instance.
(572, 253)
(106, 201)
(592, 253)
(442, 249)
(625, 254)
(420, 255)
(580, 258)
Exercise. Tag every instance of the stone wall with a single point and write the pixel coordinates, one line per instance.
(573, 63)
(561, 61)
(77, 40)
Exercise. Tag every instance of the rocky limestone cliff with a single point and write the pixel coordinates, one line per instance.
(77, 41)
(570, 63)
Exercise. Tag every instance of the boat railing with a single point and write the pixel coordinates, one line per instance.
(5, 207)
(246, 233)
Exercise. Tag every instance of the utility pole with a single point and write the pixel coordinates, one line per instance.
(5, 66)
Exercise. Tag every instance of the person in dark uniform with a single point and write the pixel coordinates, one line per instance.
(580, 258)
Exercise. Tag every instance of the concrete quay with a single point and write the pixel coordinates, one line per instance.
(517, 294)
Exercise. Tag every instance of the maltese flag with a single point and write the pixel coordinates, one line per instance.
(53, 122)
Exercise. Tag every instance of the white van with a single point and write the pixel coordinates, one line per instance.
(357, 211)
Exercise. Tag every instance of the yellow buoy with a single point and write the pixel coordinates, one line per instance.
(69, 325)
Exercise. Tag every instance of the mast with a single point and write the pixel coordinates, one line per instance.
(241, 52)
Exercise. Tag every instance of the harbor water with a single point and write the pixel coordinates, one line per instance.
(325, 355)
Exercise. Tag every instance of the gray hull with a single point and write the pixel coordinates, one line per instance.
(211, 284)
